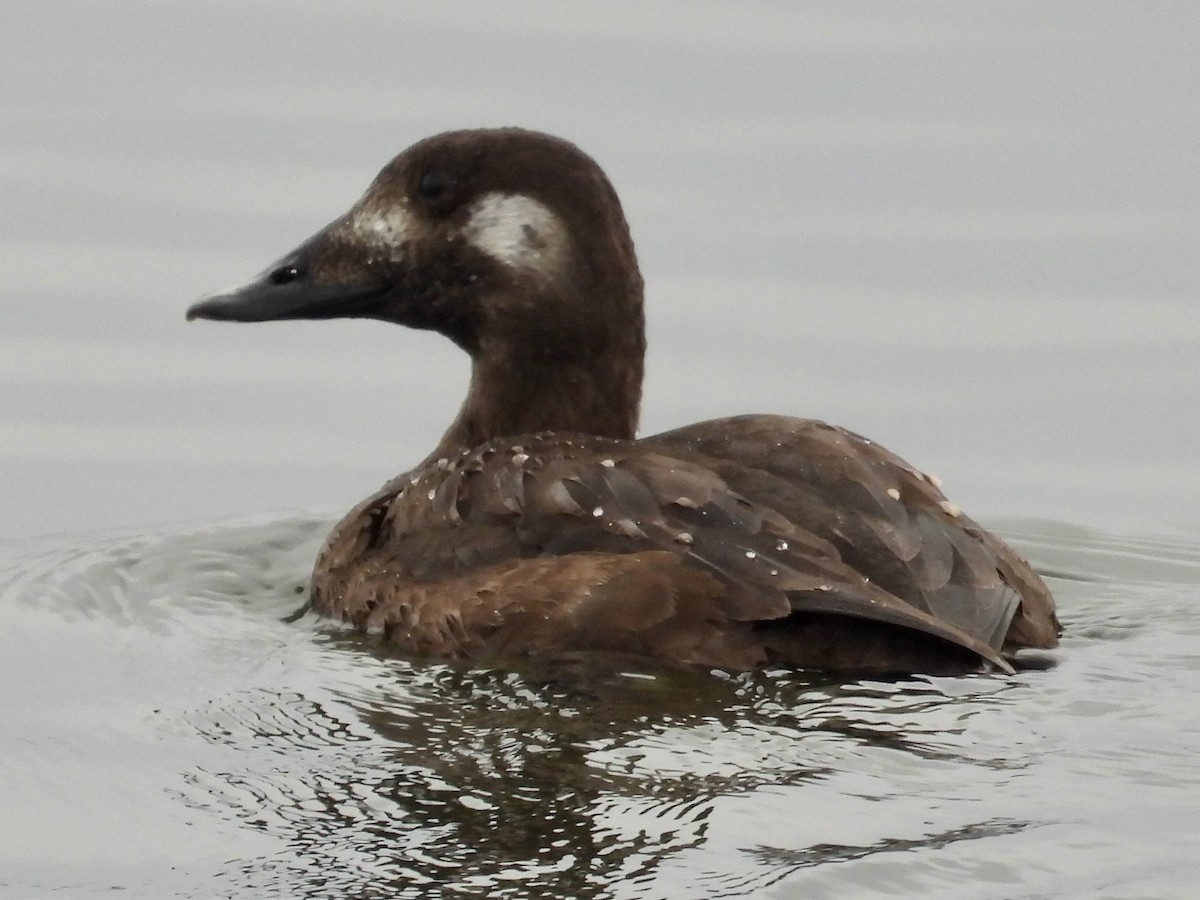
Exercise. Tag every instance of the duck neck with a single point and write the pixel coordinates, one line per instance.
(519, 391)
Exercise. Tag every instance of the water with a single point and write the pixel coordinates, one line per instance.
(967, 231)
(173, 729)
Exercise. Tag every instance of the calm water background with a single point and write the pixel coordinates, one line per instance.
(969, 231)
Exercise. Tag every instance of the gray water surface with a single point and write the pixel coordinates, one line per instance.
(171, 729)
(968, 231)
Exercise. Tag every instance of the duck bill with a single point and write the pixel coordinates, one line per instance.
(287, 290)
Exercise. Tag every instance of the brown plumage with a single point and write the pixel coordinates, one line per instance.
(540, 526)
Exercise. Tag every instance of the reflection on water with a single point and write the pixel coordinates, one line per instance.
(189, 706)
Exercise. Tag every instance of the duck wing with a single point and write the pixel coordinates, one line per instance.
(887, 521)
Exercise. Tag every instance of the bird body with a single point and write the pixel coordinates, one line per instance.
(540, 525)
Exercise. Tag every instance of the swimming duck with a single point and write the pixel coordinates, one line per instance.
(540, 525)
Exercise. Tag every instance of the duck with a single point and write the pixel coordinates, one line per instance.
(541, 526)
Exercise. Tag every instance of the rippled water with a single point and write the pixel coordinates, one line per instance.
(176, 725)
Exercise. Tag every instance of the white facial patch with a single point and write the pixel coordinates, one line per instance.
(384, 229)
(518, 232)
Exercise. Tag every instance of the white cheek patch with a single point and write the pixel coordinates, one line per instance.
(519, 232)
(384, 229)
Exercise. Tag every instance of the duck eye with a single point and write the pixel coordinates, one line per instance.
(283, 275)
(432, 185)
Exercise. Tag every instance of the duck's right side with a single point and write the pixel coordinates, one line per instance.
(539, 525)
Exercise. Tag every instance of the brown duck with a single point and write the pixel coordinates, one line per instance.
(541, 526)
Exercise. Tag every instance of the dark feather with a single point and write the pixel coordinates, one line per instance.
(752, 538)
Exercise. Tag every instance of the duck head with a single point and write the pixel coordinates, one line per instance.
(511, 243)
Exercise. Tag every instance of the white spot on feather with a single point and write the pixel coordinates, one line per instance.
(518, 232)
(893, 493)
(951, 509)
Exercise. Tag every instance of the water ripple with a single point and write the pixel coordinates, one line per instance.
(166, 683)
